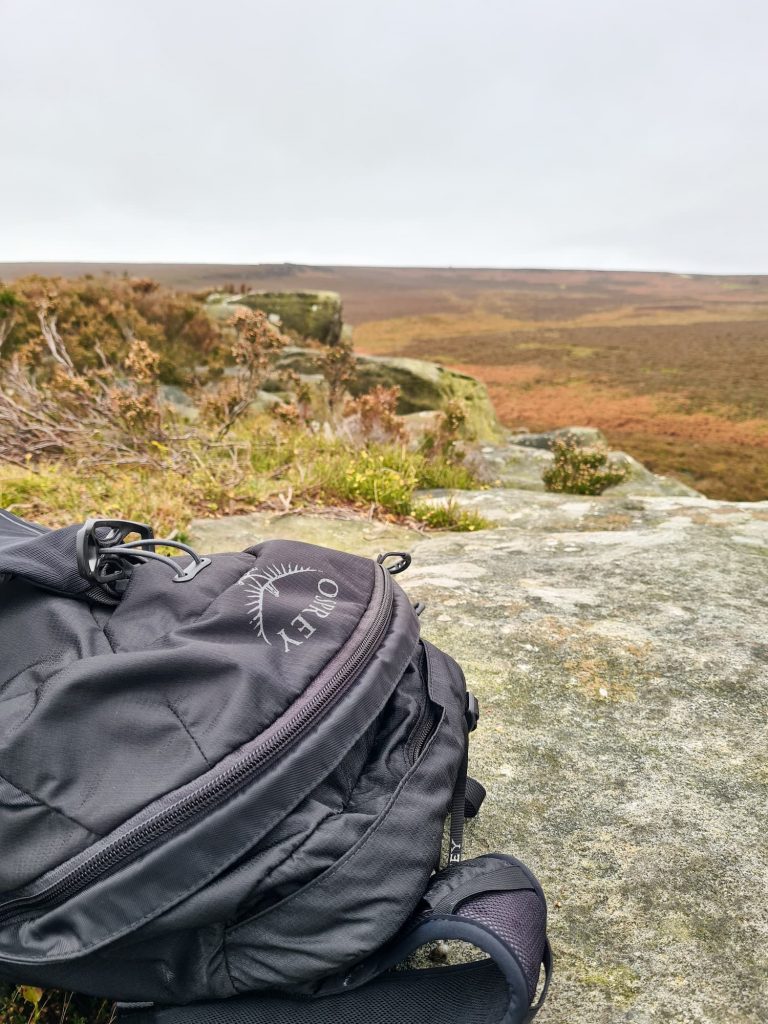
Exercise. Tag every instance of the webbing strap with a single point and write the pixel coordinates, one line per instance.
(474, 796)
(458, 808)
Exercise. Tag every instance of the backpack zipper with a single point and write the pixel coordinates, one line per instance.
(224, 786)
(425, 724)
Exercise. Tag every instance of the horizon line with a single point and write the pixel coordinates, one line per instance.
(375, 266)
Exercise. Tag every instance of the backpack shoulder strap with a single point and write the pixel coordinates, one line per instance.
(492, 902)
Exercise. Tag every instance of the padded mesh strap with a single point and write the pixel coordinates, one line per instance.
(469, 994)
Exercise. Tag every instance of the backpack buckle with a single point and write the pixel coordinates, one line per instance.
(106, 558)
(95, 538)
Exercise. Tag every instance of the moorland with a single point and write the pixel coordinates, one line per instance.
(672, 367)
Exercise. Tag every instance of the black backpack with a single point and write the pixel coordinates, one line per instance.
(224, 782)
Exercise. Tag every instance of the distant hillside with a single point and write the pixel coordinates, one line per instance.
(374, 293)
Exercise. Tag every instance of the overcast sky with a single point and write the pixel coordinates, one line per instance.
(567, 133)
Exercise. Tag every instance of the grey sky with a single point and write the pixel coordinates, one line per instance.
(572, 133)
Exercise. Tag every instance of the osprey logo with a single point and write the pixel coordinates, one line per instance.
(263, 584)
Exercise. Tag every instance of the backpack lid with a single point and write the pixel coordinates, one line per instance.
(46, 558)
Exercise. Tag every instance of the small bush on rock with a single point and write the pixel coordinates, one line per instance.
(450, 428)
(372, 417)
(577, 470)
(449, 515)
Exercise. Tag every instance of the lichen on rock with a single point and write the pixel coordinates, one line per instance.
(618, 649)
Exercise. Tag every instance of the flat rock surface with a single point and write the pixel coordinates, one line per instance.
(520, 463)
(619, 650)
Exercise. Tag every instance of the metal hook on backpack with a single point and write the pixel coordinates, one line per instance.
(404, 560)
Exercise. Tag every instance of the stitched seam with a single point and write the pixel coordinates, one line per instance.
(177, 715)
(25, 693)
(301, 840)
(225, 960)
(57, 810)
(34, 664)
(102, 629)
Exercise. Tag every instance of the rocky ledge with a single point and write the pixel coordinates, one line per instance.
(619, 650)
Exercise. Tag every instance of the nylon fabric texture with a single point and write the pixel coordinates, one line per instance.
(226, 784)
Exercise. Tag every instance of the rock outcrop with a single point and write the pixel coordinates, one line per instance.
(618, 647)
(521, 460)
(424, 387)
(315, 315)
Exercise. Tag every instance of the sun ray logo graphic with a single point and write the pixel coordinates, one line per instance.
(262, 581)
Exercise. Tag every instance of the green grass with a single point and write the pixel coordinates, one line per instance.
(25, 1004)
(305, 469)
(449, 516)
(269, 464)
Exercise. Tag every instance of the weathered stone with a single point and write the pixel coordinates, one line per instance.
(515, 465)
(300, 360)
(640, 480)
(315, 315)
(584, 437)
(509, 465)
(267, 400)
(178, 401)
(618, 650)
(424, 386)
(419, 424)
(357, 534)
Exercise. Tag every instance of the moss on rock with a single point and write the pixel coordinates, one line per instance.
(307, 315)
(424, 386)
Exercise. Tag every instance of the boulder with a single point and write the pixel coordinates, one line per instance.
(315, 315)
(522, 465)
(418, 425)
(300, 360)
(583, 437)
(425, 386)
(178, 401)
(618, 652)
(267, 400)
(640, 480)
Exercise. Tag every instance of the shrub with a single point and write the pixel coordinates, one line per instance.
(577, 470)
(451, 426)
(337, 364)
(449, 516)
(100, 317)
(113, 416)
(372, 417)
(78, 440)
(256, 346)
